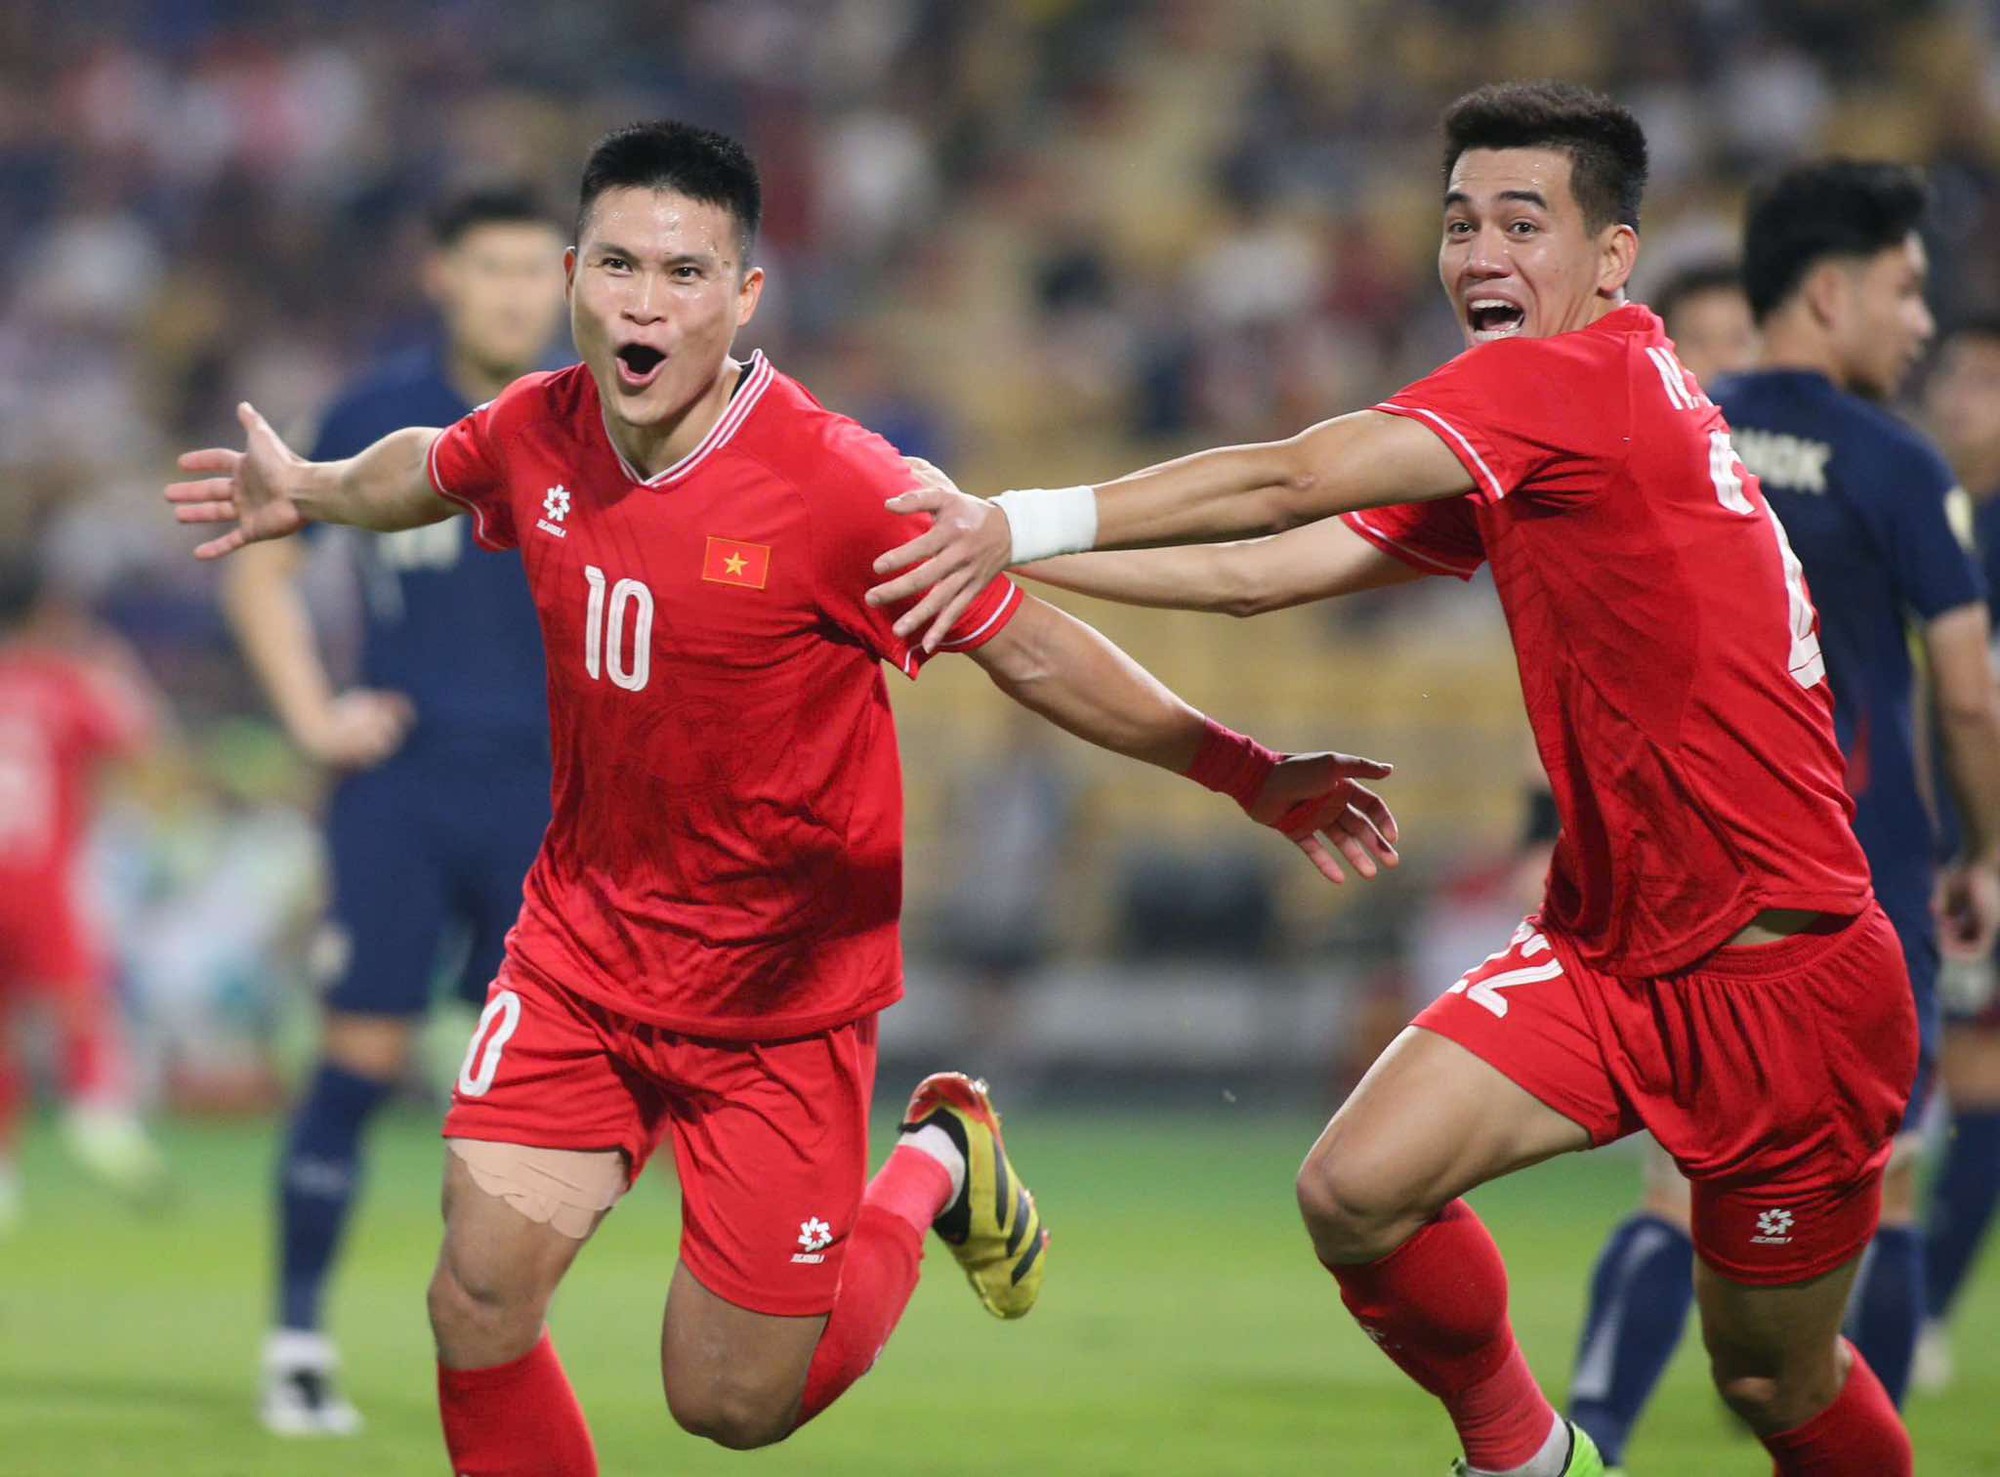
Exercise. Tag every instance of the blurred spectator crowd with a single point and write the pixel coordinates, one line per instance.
(1035, 241)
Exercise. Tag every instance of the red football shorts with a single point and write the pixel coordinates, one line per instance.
(1775, 1075)
(770, 1138)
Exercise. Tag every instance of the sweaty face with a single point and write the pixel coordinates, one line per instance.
(657, 290)
(1964, 400)
(1881, 324)
(500, 290)
(1713, 333)
(1517, 259)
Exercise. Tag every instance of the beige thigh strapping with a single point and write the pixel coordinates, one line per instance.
(564, 1189)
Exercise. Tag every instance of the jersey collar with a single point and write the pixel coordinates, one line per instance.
(750, 389)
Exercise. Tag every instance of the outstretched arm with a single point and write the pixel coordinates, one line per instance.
(1059, 667)
(1249, 577)
(1364, 460)
(269, 491)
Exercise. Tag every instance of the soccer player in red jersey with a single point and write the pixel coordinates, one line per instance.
(69, 707)
(1710, 963)
(710, 928)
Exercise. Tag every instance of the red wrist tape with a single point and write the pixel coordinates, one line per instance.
(1232, 764)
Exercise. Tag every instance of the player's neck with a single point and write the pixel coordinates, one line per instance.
(476, 381)
(652, 449)
(1787, 346)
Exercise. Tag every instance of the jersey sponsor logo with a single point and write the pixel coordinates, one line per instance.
(1791, 462)
(731, 561)
(555, 511)
(815, 1235)
(1774, 1228)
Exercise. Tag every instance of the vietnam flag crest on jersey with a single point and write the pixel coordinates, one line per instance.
(731, 561)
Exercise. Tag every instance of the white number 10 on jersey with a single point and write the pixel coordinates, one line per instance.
(606, 651)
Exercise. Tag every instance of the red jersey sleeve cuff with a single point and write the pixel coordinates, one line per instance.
(1417, 559)
(979, 625)
(483, 532)
(1485, 486)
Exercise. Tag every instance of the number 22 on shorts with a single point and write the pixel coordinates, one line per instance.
(489, 1038)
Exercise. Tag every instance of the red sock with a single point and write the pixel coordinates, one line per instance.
(94, 1069)
(515, 1420)
(884, 1254)
(1437, 1305)
(1859, 1435)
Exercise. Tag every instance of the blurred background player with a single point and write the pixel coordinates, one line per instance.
(72, 705)
(1964, 411)
(1012, 819)
(1835, 273)
(441, 751)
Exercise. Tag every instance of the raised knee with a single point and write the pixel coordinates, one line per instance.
(1353, 1214)
(459, 1302)
(734, 1416)
(1770, 1405)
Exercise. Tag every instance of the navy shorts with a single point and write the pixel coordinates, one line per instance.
(427, 854)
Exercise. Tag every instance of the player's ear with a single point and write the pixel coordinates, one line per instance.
(749, 295)
(1619, 253)
(436, 277)
(569, 273)
(1824, 290)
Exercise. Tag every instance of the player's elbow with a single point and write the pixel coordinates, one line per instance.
(1969, 713)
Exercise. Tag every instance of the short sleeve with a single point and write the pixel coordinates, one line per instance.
(466, 468)
(1935, 571)
(1537, 417)
(1440, 537)
(852, 528)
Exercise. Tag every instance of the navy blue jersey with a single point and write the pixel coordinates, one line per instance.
(1863, 499)
(445, 623)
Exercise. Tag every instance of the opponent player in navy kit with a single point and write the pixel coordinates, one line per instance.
(1964, 403)
(1835, 273)
(443, 751)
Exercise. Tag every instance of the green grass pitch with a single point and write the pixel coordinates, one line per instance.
(1185, 1331)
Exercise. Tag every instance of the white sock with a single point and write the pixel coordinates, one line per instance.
(294, 1348)
(1548, 1462)
(935, 1142)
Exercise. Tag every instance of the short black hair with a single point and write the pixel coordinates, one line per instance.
(1692, 281)
(1830, 207)
(497, 203)
(665, 155)
(1605, 144)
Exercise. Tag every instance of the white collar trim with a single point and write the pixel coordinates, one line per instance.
(757, 376)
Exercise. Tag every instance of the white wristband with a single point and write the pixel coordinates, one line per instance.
(1047, 521)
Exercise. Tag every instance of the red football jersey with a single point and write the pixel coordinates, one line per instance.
(1669, 650)
(725, 854)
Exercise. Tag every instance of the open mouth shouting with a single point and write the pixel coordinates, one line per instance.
(1492, 318)
(638, 366)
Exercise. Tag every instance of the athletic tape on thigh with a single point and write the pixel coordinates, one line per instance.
(564, 1189)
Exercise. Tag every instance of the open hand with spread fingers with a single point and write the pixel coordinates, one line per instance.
(1319, 802)
(249, 488)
